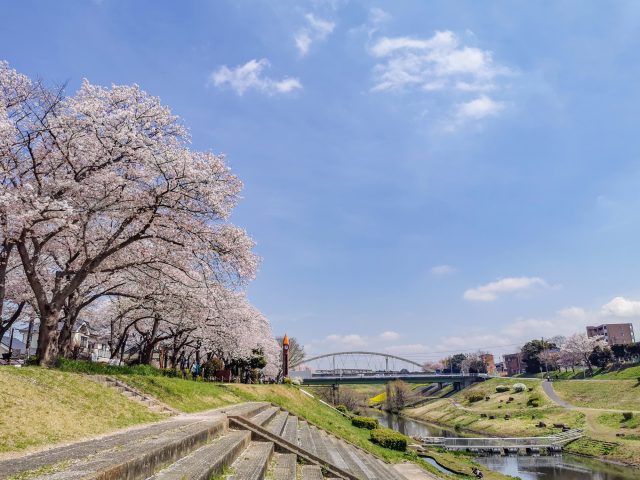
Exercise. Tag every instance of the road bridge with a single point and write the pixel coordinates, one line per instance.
(363, 367)
(458, 380)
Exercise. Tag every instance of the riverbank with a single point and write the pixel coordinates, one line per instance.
(532, 413)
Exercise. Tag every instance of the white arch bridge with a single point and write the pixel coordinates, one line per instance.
(363, 367)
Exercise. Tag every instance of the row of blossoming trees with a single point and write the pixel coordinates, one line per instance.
(107, 214)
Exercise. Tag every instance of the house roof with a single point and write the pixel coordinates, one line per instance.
(16, 344)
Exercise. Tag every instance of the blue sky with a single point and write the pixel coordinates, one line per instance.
(420, 177)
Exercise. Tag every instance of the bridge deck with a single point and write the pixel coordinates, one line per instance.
(456, 443)
(382, 378)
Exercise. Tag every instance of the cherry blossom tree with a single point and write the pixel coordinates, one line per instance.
(98, 182)
(579, 347)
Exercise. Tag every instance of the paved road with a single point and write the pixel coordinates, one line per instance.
(547, 387)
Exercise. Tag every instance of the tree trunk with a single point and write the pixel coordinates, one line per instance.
(64, 341)
(48, 339)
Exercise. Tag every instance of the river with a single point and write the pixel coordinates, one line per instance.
(547, 467)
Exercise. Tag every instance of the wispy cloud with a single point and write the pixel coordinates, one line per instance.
(441, 63)
(491, 291)
(316, 30)
(389, 335)
(443, 270)
(250, 76)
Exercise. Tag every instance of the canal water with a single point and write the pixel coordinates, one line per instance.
(546, 467)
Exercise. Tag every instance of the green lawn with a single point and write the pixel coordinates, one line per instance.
(41, 406)
(610, 394)
(185, 395)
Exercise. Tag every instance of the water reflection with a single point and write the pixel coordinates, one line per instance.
(565, 467)
(554, 467)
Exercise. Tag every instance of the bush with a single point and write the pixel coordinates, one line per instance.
(627, 415)
(388, 438)
(534, 401)
(475, 397)
(342, 408)
(98, 368)
(502, 388)
(519, 387)
(365, 422)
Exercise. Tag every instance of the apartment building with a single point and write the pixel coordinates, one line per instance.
(513, 363)
(614, 333)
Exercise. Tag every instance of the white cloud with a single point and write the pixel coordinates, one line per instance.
(573, 313)
(441, 63)
(621, 307)
(389, 335)
(378, 16)
(352, 340)
(491, 291)
(316, 30)
(478, 108)
(418, 62)
(442, 270)
(251, 76)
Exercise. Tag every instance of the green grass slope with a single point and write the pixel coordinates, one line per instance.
(41, 407)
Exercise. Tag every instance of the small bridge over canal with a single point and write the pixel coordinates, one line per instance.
(507, 445)
(360, 367)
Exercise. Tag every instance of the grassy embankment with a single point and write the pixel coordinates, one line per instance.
(41, 407)
(601, 428)
(626, 372)
(196, 396)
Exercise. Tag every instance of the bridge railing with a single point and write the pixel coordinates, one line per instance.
(494, 442)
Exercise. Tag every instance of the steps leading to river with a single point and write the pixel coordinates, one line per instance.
(250, 441)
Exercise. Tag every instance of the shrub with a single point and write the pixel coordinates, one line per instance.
(534, 401)
(97, 368)
(627, 415)
(365, 422)
(475, 397)
(388, 438)
(519, 387)
(342, 408)
(502, 388)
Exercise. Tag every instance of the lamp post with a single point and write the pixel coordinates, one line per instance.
(285, 356)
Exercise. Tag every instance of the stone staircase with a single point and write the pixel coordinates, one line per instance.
(250, 441)
(133, 394)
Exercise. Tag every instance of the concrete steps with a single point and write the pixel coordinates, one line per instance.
(290, 431)
(285, 467)
(250, 441)
(208, 460)
(277, 422)
(311, 472)
(263, 417)
(133, 394)
(253, 463)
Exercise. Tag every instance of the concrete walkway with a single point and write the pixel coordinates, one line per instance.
(413, 472)
(547, 387)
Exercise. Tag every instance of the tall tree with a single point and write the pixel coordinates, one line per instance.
(100, 181)
(531, 354)
(581, 346)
